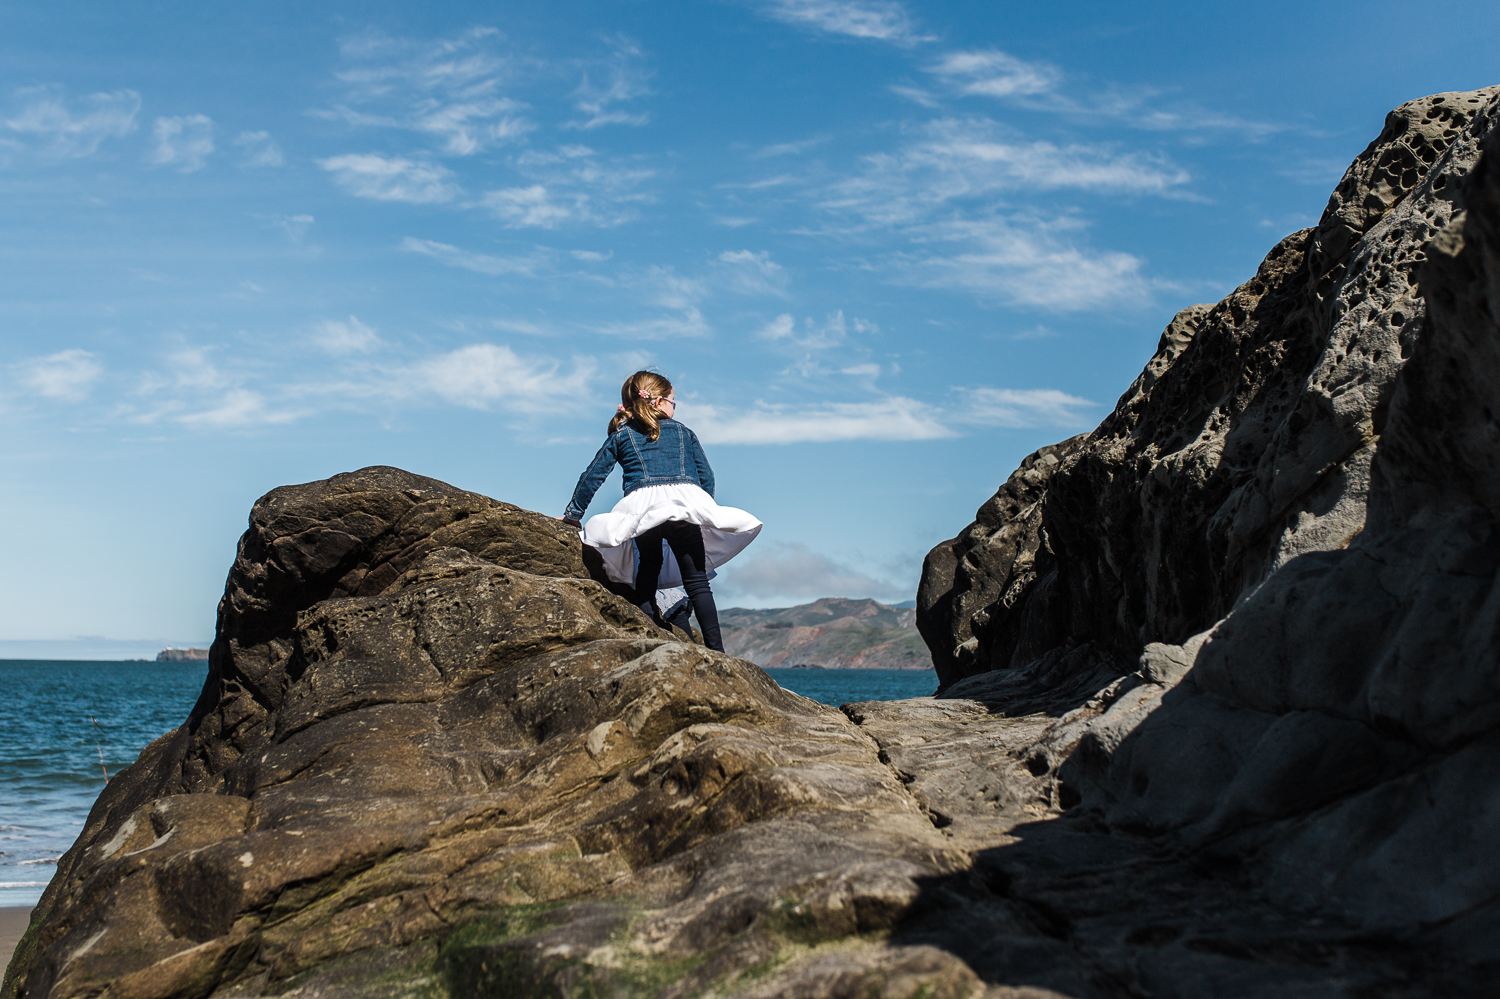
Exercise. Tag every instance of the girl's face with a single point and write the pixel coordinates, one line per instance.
(668, 406)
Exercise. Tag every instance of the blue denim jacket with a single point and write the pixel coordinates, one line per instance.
(675, 456)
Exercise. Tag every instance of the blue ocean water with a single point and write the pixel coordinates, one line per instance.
(841, 686)
(49, 748)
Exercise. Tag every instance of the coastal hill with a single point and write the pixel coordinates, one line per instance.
(832, 632)
(1220, 711)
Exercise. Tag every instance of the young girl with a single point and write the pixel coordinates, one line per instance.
(669, 492)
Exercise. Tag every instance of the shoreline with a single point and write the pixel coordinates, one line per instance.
(13, 922)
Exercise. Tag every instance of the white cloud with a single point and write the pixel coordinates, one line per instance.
(76, 132)
(894, 418)
(955, 160)
(881, 20)
(570, 186)
(295, 226)
(992, 73)
(813, 335)
(790, 148)
(184, 141)
(67, 375)
(690, 324)
(752, 273)
(1024, 262)
(481, 263)
(239, 408)
(345, 336)
(260, 151)
(591, 256)
(532, 206)
(486, 375)
(449, 89)
(624, 81)
(393, 178)
(191, 368)
(796, 572)
(1024, 408)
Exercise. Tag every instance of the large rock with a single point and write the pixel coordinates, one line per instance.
(1271, 635)
(1245, 442)
(429, 753)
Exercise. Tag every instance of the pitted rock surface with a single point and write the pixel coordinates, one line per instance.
(1260, 615)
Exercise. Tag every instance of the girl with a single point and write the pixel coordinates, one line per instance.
(669, 492)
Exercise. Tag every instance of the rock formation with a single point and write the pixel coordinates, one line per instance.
(1265, 585)
(831, 632)
(1220, 717)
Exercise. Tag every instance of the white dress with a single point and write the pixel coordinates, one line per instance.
(726, 529)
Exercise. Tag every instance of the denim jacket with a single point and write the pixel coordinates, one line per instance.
(675, 456)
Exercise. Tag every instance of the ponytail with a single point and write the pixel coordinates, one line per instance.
(638, 402)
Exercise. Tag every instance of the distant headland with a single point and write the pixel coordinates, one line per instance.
(171, 655)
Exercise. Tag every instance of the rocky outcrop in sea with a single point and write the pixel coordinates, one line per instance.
(1219, 714)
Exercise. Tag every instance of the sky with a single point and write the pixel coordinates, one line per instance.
(883, 250)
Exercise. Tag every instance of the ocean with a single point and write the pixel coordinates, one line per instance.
(58, 717)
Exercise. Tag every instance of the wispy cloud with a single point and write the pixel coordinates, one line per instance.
(571, 185)
(486, 376)
(895, 418)
(790, 148)
(392, 178)
(992, 73)
(67, 376)
(482, 263)
(879, 20)
(183, 141)
(996, 407)
(624, 79)
(963, 159)
(260, 151)
(345, 336)
(238, 409)
(796, 572)
(812, 334)
(449, 89)
(45, 116)
(1024, 261)
(751, 272)
(1040, 86)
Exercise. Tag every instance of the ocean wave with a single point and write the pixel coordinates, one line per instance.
(23, 884)
(42, 860)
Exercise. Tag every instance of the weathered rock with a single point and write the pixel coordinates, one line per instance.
(1246, 441)
(392, 745)
(1273, 610)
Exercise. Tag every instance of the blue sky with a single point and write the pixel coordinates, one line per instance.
(884, 250)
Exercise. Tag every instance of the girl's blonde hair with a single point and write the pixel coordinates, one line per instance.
(637, 402)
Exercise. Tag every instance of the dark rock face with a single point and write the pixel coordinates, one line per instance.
(1274, 615)
(1245, 442)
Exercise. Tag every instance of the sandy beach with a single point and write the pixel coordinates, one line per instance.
(13, 920)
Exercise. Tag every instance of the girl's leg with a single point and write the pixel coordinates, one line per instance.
(649, 570)
(686, 541)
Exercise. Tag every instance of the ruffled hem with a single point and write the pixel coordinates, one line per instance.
(726, 529)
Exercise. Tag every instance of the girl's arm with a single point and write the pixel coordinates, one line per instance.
(705, 473)
(589, 482)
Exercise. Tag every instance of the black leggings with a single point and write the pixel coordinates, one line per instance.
(686, 542)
